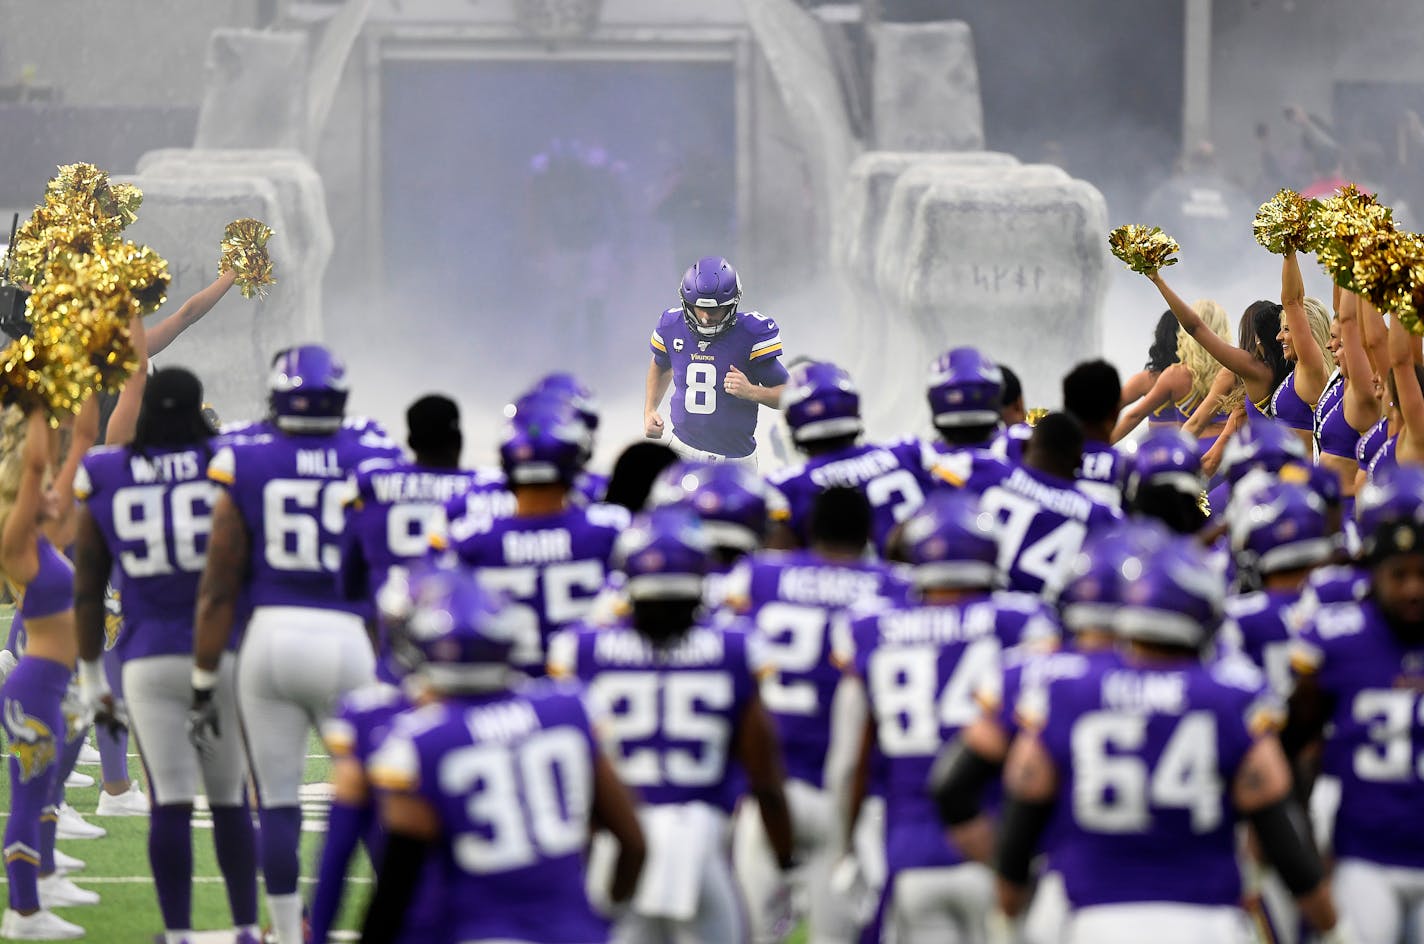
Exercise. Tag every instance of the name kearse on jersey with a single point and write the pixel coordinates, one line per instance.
(819, 585)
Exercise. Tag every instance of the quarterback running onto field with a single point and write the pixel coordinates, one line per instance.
(721, 364)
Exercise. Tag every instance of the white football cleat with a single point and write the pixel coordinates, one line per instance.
(57, 891)
(73, 826)
(89, 755)
(132, 802)
(77, 781)
(67, 863)
(40, 926)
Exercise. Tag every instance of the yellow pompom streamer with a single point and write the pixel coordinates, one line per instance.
(1144, 249)
(244, 251)
(1342, 227)
(1283, 223)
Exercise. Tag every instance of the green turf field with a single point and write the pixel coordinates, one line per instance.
(118, 864)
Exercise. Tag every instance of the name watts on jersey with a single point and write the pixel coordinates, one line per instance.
(319, 463)
(500, 724)
(172, 467)
(697, 648)
(855, 470)
(818, 585)
(937, 625)
(392, 487)
(1159, 692)
(1062, 501)
(538, 547)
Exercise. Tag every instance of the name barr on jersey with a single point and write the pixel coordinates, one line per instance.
(826, 586)
(537, 547)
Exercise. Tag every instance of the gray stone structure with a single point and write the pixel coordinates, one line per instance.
(925, 88)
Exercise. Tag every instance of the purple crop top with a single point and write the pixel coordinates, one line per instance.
(52, 590)
(1289, 408)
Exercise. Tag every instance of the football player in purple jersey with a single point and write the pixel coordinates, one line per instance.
(1164, 480)
(721, 364)
(590, 485)
(396, 504)
(148, 509)
(1278, 536)
(678, 705)
(793, 598)
(551, 556)
(352, 735)
(1145, 763)
(35, 514)
(822, 408)
(969, 768)
(1360, 672)
(731, 502)
(917, 667)
(965, 393)
(1092, 394)
(276, 533)
(498, 784)
(1041, 513)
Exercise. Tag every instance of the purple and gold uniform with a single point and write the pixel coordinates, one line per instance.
(511, 778)
(552, 566)
(1143, 754)
(667, 714)
(154, 511)
(792, 598)
(391, 514)
(1374, 681)
(1041, 522)
(971, 468)
(1102, 476)
(704, 415)
(1262, 626)
(921, 667)
(894, 479)
(291, 491)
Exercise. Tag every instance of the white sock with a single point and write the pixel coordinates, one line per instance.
(175, 937)
(286, 912)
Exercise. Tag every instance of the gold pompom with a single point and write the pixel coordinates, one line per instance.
(142, 272)
(1034, 414)
(1144, 249)
(244, 251)
(1345, 226)
(1283, 223)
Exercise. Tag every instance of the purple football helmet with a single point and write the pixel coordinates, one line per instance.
(581, 398)
(449, 628)
(1166, 456)
(307, 390)
(665, 554)
(728, 497)
(1281, 526)
(950, 543)
(1261, 444)
(1172, 596)
(544, 442)
(821, 402)
(711, 283)
(965, 389)
(1098, 578)
(1395, 496)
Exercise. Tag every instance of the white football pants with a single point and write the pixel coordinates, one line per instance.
(157, 692)
(941, 906)
(1377, 901)
(295, 663)
(1158, 924)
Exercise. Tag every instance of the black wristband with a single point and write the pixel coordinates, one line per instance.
(1020, 828)
(1285, 839)
(958, 781)
(201, 696)
(396, 881)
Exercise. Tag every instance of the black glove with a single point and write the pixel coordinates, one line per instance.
(203, 727)
(110, 713)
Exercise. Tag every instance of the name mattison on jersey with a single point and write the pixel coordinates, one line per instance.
(171, 467)
(319, 463)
